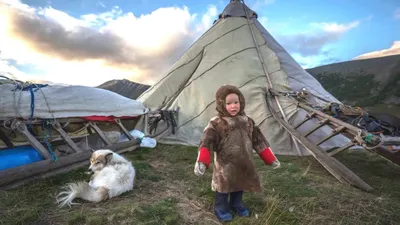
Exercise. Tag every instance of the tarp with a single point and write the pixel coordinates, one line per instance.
(226, 54)
(57, 101)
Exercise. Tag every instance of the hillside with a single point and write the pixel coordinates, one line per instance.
(366, 82)
(125, 88)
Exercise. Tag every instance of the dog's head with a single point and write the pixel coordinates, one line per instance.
(100, 159)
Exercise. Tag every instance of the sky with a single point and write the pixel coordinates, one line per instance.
(88, 42)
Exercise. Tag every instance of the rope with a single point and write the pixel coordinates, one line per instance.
(30, 88)
(368, 139)
(46, 129)
(351, 111)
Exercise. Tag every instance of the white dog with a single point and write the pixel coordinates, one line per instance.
(113, 175)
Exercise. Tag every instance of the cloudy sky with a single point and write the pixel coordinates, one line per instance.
(88, 42)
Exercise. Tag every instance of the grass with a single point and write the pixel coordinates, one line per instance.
(167, 192)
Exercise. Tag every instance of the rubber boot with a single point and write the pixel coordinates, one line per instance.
(237, 205)
(221, 207)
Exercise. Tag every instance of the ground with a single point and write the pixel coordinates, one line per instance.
(167, 192)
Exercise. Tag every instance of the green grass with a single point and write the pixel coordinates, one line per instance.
(167, 192)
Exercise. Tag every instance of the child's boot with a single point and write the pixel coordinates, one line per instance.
(221, 207)
(237, 204)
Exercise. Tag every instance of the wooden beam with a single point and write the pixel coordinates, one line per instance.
(100, 133)
(335, 132)
(338, 150)
(320, 124)
(5, 139)
(66, 137)
(124, 130)
(21, 172)
(21, 127)
(308, 117)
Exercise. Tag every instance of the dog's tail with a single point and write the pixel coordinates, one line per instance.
(81, 190)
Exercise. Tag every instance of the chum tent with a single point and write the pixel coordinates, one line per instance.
(238, 50)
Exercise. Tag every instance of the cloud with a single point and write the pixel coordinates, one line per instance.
(77, 43)
(393, 50)
(397, 14)
(313, 41)
(94, 48)
(314, 61)
(208, 18)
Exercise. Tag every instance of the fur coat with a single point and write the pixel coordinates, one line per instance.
(232, 140)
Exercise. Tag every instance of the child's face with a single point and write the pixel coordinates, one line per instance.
(232, 104)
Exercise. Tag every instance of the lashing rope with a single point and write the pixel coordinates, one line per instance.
(46, 134)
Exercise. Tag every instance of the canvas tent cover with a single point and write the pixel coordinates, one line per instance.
(226, 54)
(66, 101)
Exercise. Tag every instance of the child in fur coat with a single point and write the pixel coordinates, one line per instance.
(232, 136)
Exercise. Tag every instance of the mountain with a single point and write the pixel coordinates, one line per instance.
(373, 83)
(366, 82)
(125, 88)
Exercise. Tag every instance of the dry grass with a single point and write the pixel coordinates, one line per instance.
(167, 192)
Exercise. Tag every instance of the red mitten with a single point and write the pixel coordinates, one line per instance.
(267, 156)
(204, 156)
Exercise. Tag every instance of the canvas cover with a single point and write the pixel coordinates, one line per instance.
(226, 54)
(65, 101)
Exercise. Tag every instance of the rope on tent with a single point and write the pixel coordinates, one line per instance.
(46, 129)
(267, 76)
(31, 90)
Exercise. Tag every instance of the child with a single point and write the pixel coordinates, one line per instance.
(232, 136)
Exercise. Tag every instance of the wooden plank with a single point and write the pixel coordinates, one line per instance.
(335, 132)
(308, 117)
(100, 133)
(66, 137)
(124, 130)
(320, 124)
(21, 127)
(48, 174)
(336, 151)
(5, 139)
(21, 172)
(337, 169)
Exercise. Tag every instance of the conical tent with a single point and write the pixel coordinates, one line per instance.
(232, 52)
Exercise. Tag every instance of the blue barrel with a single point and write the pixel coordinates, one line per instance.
(18, 156)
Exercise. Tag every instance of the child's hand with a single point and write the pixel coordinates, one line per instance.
(276, 164)
(199, 168)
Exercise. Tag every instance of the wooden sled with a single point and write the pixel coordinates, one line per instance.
(67, 136)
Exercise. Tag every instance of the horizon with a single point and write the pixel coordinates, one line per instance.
(91, 42)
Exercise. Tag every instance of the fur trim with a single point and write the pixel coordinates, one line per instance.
(220, 97)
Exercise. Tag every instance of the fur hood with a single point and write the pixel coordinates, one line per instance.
(220, 97)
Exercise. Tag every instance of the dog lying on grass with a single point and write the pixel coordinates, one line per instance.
(113, 175)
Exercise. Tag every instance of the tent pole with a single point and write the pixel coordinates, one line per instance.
(268, 78)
